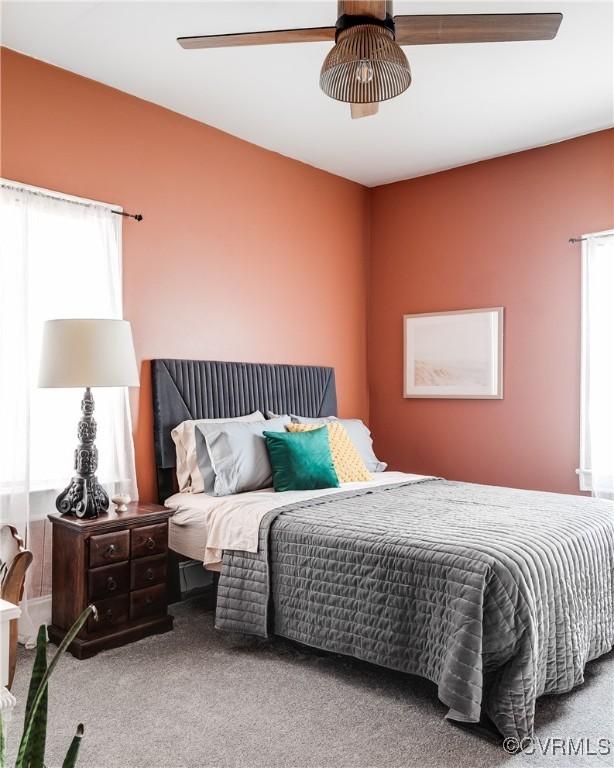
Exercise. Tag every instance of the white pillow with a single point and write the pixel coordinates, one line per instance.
(189, 477)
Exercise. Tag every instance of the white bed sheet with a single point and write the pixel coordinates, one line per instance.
(188, 533)
(203, 526)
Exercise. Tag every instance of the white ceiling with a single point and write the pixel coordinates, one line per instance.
(466, 102)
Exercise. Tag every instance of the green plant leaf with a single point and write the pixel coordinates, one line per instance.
(35, 750)
(71, 756)
(42, 688)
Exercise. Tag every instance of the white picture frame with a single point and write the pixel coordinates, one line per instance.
(454, 355)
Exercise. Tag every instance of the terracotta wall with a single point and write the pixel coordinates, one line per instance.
(490, 234)
(247, 255)
(242, 255)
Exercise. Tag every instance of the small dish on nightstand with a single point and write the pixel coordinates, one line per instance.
(121, 501)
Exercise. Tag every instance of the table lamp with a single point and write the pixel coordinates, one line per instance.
(87, 353)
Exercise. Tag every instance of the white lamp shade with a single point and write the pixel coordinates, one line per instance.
(88, 353)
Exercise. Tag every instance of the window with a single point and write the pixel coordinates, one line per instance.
(597, 407)
(59, 257)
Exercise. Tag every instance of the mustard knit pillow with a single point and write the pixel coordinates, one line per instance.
(348, 463)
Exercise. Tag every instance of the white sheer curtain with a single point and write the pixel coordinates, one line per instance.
(59, 257)
(597, 408)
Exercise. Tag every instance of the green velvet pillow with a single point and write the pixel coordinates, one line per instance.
(301, 461)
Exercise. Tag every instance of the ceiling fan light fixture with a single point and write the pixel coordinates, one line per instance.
(365, 66)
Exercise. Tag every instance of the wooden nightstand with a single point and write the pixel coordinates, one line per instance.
(118, 562)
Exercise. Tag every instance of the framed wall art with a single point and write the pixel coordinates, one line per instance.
(454, 354)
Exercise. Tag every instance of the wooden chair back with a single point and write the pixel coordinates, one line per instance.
(16, 565)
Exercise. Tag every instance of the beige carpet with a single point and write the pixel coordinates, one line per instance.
(198, 698)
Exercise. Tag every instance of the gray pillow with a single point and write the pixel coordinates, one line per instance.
(239, 458)
(304, 419)
(361, 437)
(359, 434)
(312, 420)
(203, 459)
(202, 455)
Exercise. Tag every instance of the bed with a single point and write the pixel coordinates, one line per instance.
(497, 595)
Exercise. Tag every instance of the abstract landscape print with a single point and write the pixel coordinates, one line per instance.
(455, 354)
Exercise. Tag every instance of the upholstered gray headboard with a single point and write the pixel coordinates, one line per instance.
(205, 389)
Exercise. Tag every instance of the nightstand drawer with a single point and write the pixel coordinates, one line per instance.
(108, 581)
(147, 571)
(148, 602)
(109, 548)
(149, 540)
(111, 612)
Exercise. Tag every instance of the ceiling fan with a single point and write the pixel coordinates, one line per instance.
(367, 65)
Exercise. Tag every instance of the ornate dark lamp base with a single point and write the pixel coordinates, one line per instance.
(84, 497)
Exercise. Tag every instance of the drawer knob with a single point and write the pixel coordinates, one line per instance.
(108, 614)
(110, 550)
(111, 584)
(149, 575)
(149, 600)
(150, 543)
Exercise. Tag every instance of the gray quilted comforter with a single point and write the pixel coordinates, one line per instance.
(496, 595)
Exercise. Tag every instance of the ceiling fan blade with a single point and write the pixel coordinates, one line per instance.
(272, 37)
(363, 110)
(476, 28)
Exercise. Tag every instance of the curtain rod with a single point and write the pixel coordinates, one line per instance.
(135, 216)
(17, 187)
(590, 237)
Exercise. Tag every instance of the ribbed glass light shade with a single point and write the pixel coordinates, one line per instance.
(365, 65)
